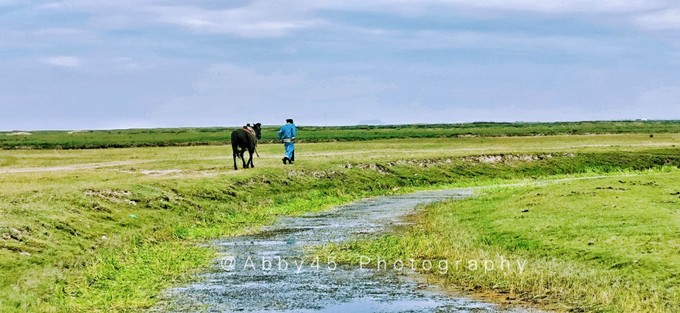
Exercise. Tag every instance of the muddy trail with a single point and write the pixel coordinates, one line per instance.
(266, 272)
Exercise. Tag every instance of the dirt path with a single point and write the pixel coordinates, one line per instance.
(234, 284)
(91, 166)
(75, 167)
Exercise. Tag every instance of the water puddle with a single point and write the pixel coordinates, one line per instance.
(266, 272)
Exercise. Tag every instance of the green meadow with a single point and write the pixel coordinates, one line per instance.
(85, 139)
(101, 230)
(607, 244)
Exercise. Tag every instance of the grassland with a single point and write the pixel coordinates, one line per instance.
(108, 230)
(607, 245)
(219, 135)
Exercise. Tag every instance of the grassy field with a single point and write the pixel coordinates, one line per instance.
(108, 230)
(220, 135)
(607, 245)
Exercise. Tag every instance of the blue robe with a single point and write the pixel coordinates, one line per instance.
(287, 134)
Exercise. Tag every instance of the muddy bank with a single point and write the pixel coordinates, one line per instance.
(266, 272)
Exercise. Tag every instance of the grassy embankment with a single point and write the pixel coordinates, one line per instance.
(602, 245)
(108, 230)
(220, 135)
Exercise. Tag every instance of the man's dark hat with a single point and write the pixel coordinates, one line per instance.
(290, 120)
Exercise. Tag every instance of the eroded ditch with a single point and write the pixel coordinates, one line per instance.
(242, 281)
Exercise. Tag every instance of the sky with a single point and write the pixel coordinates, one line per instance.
(85, 64)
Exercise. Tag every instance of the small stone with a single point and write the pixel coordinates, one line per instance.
(105, 238)
(24, 253)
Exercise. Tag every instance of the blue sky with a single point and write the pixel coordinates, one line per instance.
(82, 64)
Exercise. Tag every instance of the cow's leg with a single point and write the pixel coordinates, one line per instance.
(245, 165)
(234, 154)
(250, 158)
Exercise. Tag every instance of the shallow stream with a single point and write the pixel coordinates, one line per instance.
(266, 272)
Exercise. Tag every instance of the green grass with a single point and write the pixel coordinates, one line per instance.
(154, 204)
(605, 245)
(220, 135)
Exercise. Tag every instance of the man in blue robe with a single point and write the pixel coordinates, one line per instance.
(287, 135)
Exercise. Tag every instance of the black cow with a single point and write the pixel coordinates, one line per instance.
(245, 139)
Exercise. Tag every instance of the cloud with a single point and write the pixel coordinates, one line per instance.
(246, 22)
(246, 19)
(511, 41)
(231, 95)
(657, 103)
(559, 7)
(63, 61)
(162, 63)
(660, 20)
(443, 7)
(261, 19)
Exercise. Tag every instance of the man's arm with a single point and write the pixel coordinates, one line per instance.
(293, 130)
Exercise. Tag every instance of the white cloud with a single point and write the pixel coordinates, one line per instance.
(579, 6)
(251, 19)
(423, 7)
(64, 61)
(264, 18)
(665, 19)
(345, 69)
(245, 22)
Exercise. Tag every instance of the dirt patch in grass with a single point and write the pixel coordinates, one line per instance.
(111, 195)
(510, 158)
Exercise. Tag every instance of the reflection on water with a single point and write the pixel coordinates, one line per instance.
(243, 281)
